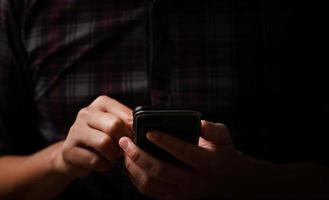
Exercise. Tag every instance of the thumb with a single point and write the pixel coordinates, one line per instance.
(215, 133)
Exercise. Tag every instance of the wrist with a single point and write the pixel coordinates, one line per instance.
(57, 163)
(64, 168)
(250, 175)
(233, 176)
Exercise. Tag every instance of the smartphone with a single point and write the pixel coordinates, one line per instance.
(181, 122)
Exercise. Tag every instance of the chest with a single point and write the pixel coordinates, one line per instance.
(136, 53)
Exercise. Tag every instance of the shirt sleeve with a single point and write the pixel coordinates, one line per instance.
(18, 132)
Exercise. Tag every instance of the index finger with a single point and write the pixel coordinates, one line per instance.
(107, 104)
(183, 151)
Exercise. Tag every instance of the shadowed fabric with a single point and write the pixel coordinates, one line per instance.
(253, 65)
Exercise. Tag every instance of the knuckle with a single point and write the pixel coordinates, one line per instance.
(73, 129)
(101, 98)
(221, 127)
(128, 165)
(135, 155)
(156, 171)
(113, 125)
(74, 134)
(116, 122)
(99, 101)
(95, 162)
(98, 116)
(84, 113)
(105, 142)
(145, 183)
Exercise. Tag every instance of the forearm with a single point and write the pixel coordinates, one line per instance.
(32, 177)
(260, 179)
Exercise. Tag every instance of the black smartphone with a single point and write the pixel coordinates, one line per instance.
(181, 122)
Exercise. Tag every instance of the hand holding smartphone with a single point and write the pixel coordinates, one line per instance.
(181, 122)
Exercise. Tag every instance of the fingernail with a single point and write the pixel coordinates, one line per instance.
(123, 143)
(153, 135)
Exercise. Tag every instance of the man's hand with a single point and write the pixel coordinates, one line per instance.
(92, 142)
(213, 164)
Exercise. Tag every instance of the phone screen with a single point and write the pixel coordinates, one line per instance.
(182, 123)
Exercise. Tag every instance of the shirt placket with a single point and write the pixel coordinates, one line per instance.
(158, 65)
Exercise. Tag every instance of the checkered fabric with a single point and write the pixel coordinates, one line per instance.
(238, 62)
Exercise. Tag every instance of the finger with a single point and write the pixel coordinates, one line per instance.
(85, 159)
(107, 104)
(108, 123)
(217, 133)
(152, 166)
(183, 151)
(100, 142)
(146, 184)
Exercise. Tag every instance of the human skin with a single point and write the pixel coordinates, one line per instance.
(216, 167)
(91, 145)
(218, 170)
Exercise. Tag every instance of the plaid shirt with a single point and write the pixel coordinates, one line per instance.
(218, 56)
